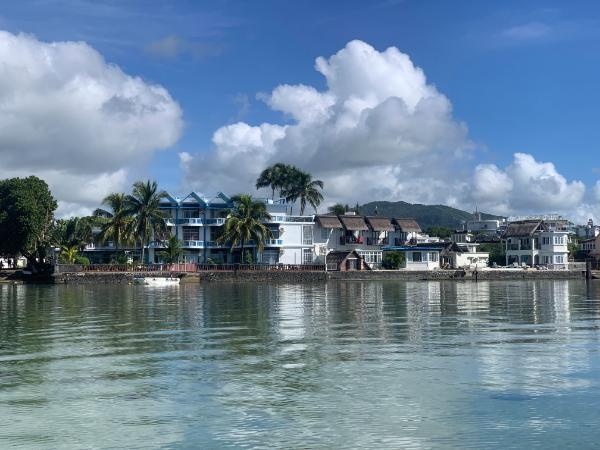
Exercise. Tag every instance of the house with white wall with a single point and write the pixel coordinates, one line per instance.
(534, 243)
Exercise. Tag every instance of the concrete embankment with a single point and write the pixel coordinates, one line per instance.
(311, 277)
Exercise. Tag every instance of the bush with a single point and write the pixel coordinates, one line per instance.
(248, 259)
(79, 259)
(392, 260)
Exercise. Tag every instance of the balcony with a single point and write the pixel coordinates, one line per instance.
(372, 241)
(190, 221)
(351, 240)
(192, 244)
(273, 242)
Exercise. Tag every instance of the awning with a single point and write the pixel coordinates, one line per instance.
(380, 223)
(329, 222)
(407, 225)
(354, 223)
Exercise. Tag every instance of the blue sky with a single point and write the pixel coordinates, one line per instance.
(520, 75)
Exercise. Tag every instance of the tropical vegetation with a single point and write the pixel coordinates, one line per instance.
(26, 219)
(244, 223)
(115, 221)
(172, 250)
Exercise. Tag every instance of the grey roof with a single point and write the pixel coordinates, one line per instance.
(524, 228)
(407, 225)
(378, 223)
(340, 255)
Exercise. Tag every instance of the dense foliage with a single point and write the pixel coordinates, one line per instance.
(441, 232)
(392, 260)
(26, 217)
(245, 223)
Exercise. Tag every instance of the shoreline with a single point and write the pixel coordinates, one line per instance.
(317, 276)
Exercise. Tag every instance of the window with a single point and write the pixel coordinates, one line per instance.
(416, 256)
(191, 233)
(559, 259)
(558, 240)
(372, 257)
(324, 233)
(546, 260)
(433, 256)
(307, 256)
(307, 235)
(546, 240)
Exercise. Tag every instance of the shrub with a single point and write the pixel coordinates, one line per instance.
(79, 259)
(392, 260)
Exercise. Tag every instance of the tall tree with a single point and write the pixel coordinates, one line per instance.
(276, 177)
(26, 218)
(115, 221)
(75, 231)
(302, 187)
(338, 209)
(245, 222)
(143, 205)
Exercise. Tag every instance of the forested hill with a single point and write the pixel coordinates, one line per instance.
(425, 215)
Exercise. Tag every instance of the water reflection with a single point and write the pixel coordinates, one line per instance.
(362, 364)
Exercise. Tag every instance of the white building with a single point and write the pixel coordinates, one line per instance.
(533, 243)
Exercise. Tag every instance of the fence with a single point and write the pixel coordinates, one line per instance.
(63, 268)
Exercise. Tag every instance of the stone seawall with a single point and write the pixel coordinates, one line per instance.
(312, 277)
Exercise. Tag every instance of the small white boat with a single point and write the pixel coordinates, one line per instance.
(156, 281)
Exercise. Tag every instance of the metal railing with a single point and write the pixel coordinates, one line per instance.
(262, 267)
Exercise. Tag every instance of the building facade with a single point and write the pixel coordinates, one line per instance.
(534, 243)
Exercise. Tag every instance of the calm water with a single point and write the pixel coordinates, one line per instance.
(374, 364)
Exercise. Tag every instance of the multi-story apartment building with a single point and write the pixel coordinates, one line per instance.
(534, 243)
(195, 220)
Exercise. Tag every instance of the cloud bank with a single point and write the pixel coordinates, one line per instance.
(77, 121)
(376, 125)
(379, 131)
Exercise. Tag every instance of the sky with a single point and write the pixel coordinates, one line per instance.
(472, 104)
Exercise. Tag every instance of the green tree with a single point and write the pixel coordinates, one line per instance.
(75, 231)
(26, 218)
(441, 232)
(301, 186)
(245, 223)
(172, 250)
(275, 177)
(338, 209)
(116, 221)
(392, 260)
(143, 205)
(68, 254)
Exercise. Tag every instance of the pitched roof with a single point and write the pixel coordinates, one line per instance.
(524, 228)
(340, 255)
(379, 223)
(329, 221)
(407, 225)
(354, 223)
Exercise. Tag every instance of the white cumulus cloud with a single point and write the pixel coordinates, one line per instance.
(525, 186)
(79, 122)
(376, 130)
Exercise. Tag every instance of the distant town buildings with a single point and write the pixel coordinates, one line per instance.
(354, 242)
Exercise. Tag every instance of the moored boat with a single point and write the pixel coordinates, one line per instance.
(156, 281)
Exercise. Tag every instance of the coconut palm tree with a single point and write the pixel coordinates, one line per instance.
(143, 205)
(76, 231)
(172, 250)
(276, 177)
(115, 221)
(302, 187)
(245, 222)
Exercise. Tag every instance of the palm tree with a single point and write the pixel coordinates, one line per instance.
(303, 187)
(276, 177)
(116, 221)
(144, 207)
(244, 223)
(338, 209)
(68, 253)
(172, 250)
(76, 231)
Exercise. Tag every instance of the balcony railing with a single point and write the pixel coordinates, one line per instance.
(192, 244)
(372, 241)
(217, 221)
(351, 240)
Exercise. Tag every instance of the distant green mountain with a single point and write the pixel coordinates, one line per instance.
(425, 215)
